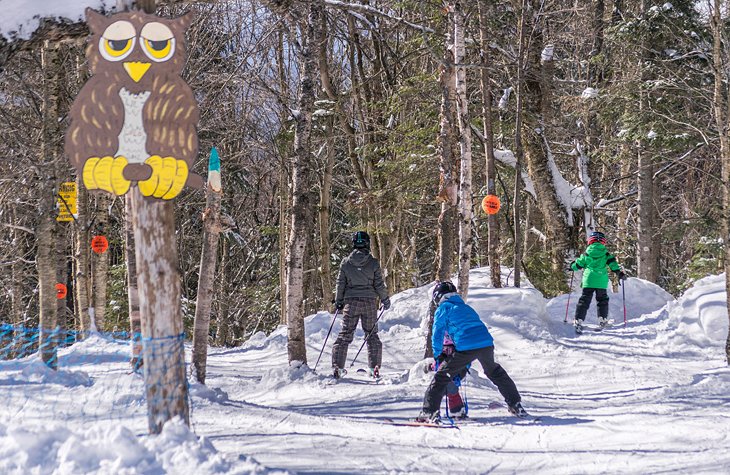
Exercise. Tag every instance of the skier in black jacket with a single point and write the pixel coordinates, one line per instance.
(359, 284)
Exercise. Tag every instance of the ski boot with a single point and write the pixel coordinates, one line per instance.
(517, 410)
(578, 324)
(429, 417)
(602, 322)
(338, 373)
(459, 413)
(374, 372)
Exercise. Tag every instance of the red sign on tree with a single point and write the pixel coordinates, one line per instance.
(491, 204)
(61, 291)
(99, 244)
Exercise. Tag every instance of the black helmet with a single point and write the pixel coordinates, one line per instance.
(597, 236)
(441, 289)
(361, 240)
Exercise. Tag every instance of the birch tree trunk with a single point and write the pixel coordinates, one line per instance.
(283, 202)
(135, 323)
(491, 169)
(100, 264)
(82, 258)
(720, 109)
(208, 257)
(325, 199)
(47, 229)
(301, 189)
(462, 108)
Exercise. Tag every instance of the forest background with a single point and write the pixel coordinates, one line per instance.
(396, 117)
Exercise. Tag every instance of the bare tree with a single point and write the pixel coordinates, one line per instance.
(301, 185)
(491, 169)
(208, 257)
(721, 111)
(465, 177)
(47, 230)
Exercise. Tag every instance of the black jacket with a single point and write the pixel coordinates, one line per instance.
(360, 276)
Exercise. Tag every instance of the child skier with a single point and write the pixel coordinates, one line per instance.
(472, 341)
(595, 279)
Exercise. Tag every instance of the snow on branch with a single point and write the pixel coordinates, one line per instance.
(367, 9)
(21, 19)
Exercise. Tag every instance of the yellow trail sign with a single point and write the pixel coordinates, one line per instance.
(66, 201)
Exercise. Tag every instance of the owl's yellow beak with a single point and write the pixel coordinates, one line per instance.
(136, 69)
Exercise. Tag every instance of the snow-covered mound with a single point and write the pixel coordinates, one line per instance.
(698, 320)
(114, 449)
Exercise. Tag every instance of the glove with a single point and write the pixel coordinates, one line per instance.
(386, 304)
(441, 358)
(621, 275)
(339, 305)
(448, 350)
(570, 267)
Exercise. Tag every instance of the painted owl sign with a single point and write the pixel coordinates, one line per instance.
(134, 121)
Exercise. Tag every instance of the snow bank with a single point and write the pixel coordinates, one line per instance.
(114, 449)
(642, 298)
(698, 320)
(21, 18)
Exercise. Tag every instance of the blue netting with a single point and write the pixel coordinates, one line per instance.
(93, 379)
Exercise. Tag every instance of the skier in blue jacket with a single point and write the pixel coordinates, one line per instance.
(472, 341)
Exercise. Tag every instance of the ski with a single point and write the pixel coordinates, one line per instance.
(411, 423)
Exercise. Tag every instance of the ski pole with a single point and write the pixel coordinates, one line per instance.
(570, 291)
(337, 311)
(367, 337)
(623, 292)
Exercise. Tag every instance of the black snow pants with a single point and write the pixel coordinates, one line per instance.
(585, 301)
(456, 365)
(364, 310)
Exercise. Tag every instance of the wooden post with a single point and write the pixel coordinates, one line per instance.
(211, 222)
(158, 280)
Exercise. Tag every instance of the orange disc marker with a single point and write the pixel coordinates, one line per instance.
(61, 291)
(99, 244)
(491, 204)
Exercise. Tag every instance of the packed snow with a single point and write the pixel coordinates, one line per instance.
(649, 396)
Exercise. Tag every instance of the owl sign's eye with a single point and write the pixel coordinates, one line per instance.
(158, 41)
(117, 41)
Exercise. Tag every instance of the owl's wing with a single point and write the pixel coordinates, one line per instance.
(96, 118)
(170, 119)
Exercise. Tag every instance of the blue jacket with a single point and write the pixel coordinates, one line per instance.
(462, 324)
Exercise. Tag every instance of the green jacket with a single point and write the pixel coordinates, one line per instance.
(594, 262)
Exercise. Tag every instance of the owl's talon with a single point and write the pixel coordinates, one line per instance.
(168, 177)
(88, 173)
(106, 173)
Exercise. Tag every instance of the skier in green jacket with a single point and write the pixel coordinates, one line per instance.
(595, 279)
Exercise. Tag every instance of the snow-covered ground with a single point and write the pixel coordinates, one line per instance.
(650, 397)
